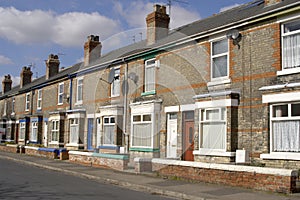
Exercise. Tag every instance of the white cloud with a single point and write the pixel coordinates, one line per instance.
(136, 18)
(37, 26)
(5, 61)
(229, 7)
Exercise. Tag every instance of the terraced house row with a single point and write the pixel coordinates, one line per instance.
(222, 89)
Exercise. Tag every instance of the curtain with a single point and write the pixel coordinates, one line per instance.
(149, 79)
(291, 51)
(286, 136)
(109, 136)
(142, 135)
(74, 130)
(213, 135)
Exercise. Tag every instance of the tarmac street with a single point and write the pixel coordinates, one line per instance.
(21, 175)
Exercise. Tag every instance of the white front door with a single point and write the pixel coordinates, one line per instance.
(172, 136)
(98, 143)
(45, 134)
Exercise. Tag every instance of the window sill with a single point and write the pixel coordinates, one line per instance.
(148, 93)
(220, 81)
(288, 71)
(280, 156)
(74, 145)
(214, 152)
(54, 142)
(141, 149)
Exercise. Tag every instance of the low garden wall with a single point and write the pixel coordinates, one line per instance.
(259, 178)
(51, 153)
(12, 148)
(114, 161)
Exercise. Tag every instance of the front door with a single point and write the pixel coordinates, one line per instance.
(45, 134)
(90, 134)
(172, 136)
(188, 136)
(98, 143)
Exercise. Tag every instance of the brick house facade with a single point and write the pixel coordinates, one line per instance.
(198, 93)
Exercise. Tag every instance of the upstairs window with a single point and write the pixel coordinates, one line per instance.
(13, 102)
(79, 90)
(60, 93)
(291, 45)
(115, 86)
(219, 59)
(27, 102)
(150, 75)
(39, 100)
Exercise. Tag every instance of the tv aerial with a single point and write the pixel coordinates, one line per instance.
(169, 4)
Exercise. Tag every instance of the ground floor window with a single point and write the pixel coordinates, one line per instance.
(22, 130)
(34, 131)
(55, 130)
(109, 133)
(285, 125)
(213, 128)
(74, 131)
(142, 130)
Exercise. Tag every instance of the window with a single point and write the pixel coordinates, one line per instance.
(22, 130)
(142, 130)
(150, 75)
(39, 100)
(60, 93)
(74, 131)
(285, 126)
(109, 130)
(54, 130)
(213, 128)
(115, 86)
(79, 90)
(27, 102)
(291, 45)
(219, 59)
(13, 101)
(33, 133)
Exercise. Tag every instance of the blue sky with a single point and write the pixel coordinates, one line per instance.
(30, 30)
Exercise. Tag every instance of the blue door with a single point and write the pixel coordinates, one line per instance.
(90, 134)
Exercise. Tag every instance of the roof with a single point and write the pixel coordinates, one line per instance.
(223, 20)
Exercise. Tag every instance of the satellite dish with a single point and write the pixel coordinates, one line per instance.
(111, 75)
(233, 34)
(125, 87)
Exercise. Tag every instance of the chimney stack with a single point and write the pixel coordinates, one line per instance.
(25, 77)
(52, 66)
(157, 24)
(6, 84)
(92, 50)
(271, 2)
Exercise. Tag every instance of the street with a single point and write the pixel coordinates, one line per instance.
(19, 181)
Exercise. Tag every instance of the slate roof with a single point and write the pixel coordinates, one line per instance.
(243, 13)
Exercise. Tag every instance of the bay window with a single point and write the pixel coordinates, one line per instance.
(109, 131)
(74, 131)
(55, 130)
(142, 130)
(34, 131)
(22, 130)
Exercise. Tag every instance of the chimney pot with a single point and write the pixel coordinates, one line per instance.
(52, 66)
(26, 76)
(6, 83)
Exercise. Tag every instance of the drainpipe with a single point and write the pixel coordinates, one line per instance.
(126, 135)
(71, 93)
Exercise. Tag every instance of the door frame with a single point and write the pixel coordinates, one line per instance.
(90, 133)
(187, 119)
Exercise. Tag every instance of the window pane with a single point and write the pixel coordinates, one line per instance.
(137, 118)
(296, 109)
(213, 135)
(106, 120)
(292, 26)
(291, 51)
(150, 79)
(109, 136)
(142, 135)
(146, 118)
(150, 62)
(112, 120)
(220, 47)
(280, 111)
(212, 115)
(219, 67)
(172, 116)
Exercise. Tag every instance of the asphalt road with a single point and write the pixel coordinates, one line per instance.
(18, 181)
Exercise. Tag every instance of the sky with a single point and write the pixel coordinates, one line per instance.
(31, 30)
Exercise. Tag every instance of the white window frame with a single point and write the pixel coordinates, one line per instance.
(217, 56)
(153, 64)
(39, 99)
(13, 103)
(141, 122)
(55, 130)
(115, 86)
(79, 91)
(22, 131)
(74, 123)
(111, 123)
(203, 120)
(34, 129)
(60, 92)
(27, 101)
(284, 118)
(288, 69)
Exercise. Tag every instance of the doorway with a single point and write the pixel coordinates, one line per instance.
(172, 135)
(188, 136)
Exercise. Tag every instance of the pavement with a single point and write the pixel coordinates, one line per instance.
(148, 182)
